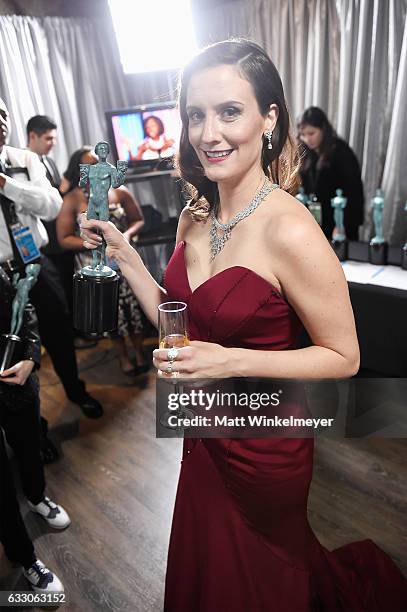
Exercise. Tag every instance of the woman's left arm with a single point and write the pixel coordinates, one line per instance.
(314, 284)
(133, 212)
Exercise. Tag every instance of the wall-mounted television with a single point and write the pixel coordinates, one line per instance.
(145, 135)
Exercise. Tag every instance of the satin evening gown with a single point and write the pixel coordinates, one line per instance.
(240, 539)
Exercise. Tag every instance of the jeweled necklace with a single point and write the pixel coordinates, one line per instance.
(218, 242)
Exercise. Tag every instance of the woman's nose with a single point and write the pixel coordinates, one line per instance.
(210, 131)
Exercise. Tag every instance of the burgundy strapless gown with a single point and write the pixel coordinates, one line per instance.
(240, 539)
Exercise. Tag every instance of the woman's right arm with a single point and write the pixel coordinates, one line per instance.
(147, 291)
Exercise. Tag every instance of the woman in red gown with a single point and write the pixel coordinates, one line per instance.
(253, 267)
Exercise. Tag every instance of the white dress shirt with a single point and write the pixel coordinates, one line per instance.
(34, 199)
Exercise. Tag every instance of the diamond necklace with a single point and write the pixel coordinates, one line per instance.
(218, 242)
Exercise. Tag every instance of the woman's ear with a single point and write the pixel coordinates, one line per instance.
(271, 119)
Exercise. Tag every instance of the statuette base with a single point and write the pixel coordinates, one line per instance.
(95, 302)
(378, 253)
(341, 249)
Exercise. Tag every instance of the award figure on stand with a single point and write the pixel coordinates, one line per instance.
(302, 197)
(11, 344)
(315, 208)
(378, 245)
(96, 287)
(404, 249)
(339, 242)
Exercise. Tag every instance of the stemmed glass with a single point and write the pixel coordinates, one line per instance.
(172, 324)
(173, 333)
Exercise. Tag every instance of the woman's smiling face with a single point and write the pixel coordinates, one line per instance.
(225, 124)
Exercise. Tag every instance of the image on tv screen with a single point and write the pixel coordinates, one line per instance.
(146, 135)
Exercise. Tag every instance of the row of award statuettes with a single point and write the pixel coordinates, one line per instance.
(378, 247)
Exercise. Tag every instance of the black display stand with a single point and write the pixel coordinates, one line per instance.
(378, 253)
(341, 249)
(95, 303)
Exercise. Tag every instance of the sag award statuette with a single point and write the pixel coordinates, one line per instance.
(378, 245)
(315, 208)
(11, 345)
(302, 196)
(404, 249)
(339, 243)
(96, 287)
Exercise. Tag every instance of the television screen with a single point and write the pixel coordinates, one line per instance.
(145, 135)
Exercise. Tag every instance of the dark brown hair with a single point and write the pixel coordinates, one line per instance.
(39, 124)
(72, 172)
(316, 117)
(281, 162)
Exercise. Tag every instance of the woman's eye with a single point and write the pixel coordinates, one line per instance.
(195, 116)
(230, 113)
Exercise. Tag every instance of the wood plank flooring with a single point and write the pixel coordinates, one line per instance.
(118, 483)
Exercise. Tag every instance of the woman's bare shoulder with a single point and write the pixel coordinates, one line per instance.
(290, 221)
(296, 244)
(187, 226)
(121, 191)
(70, 199)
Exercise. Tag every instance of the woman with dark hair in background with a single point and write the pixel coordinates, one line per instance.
(253, 267)
(126, 214)
(328, 164)
(155, 143)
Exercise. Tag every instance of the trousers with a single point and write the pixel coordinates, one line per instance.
(56, 329)
(19, 419)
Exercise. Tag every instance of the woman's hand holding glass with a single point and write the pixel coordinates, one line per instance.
(197, 360)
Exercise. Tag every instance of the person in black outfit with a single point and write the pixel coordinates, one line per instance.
(19, 419)
(28, 201)
(328, 164)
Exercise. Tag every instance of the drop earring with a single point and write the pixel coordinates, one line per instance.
(269, 135)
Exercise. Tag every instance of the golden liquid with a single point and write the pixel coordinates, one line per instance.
(170, 341)
(174, 340)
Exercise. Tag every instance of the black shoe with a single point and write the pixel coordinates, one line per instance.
(49, 453)
(90, 407)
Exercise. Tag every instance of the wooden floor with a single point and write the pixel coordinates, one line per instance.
(118, 483)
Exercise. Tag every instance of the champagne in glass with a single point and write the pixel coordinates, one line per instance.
(177, 340)
(173, 332)
(172, 322)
